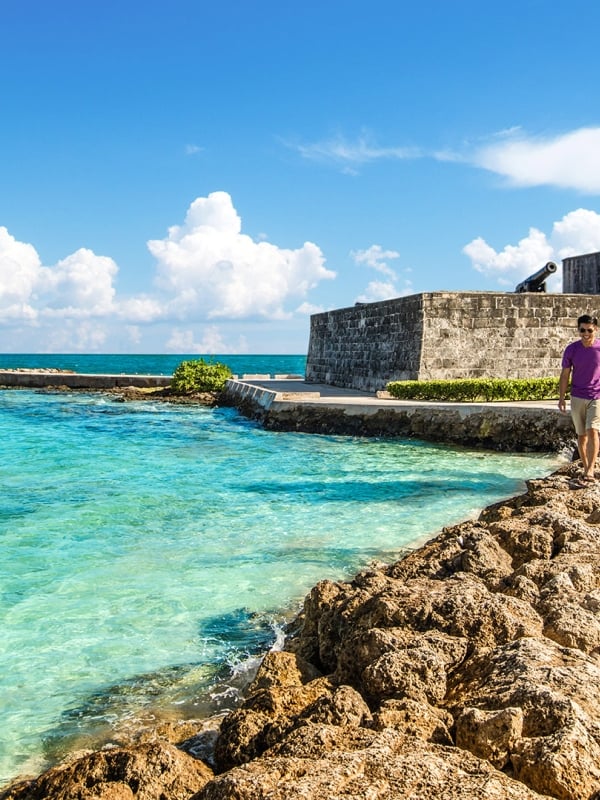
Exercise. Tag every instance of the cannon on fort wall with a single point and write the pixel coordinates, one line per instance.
(537, 281)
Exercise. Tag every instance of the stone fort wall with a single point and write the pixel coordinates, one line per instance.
(444, 335)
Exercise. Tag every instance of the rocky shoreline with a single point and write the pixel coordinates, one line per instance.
(125, 394)
(469, 669)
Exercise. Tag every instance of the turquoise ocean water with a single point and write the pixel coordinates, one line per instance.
(149, 553)
(153, 364)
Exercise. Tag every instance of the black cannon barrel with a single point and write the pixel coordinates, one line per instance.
(537, 281)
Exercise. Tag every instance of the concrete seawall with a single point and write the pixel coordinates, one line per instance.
(319, 408)
(37, 379)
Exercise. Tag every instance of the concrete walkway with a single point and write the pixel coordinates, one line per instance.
(300, 391)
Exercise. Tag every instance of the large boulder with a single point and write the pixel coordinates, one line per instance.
(150, 771)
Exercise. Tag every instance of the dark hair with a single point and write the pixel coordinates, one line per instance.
(587, 319)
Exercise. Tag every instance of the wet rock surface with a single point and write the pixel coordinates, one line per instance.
(469, 669)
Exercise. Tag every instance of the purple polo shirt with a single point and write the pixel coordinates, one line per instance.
(584, 363)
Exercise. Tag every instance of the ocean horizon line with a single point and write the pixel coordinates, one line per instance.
(152, 363)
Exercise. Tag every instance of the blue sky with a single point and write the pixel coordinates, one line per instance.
(198, 177)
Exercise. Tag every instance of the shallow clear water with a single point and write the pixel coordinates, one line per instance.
(144, 545)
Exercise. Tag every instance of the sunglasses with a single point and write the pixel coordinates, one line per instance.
(586, 330)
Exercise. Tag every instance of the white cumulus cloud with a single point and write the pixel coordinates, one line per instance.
(141, 308)
(80, 285)
(576, 233)
(208, 268)
(570, 160)
(383, 290)
(376, 258)
(378, 290)
(531, 252)
(20, 272)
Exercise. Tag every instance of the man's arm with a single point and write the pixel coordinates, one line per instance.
(563, 384)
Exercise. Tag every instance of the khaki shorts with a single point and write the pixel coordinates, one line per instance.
(585, 414)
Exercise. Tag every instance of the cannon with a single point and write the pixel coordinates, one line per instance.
(537, 281)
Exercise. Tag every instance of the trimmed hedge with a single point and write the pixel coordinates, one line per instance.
(476, 389)
(200, 376)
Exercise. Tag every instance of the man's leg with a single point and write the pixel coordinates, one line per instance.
(588, 445)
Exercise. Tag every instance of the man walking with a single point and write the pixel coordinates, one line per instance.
(581, 364)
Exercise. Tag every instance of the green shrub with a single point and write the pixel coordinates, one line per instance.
(199, 376)
(476, 389)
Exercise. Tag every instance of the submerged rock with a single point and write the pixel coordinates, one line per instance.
(469, 669)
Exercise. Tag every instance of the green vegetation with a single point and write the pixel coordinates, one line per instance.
(200, 376)
(476, 389)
